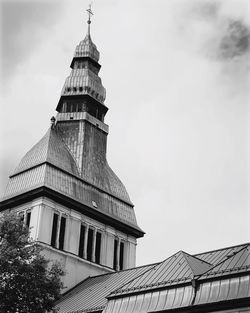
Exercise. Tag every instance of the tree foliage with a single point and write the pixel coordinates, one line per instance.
(28, 283)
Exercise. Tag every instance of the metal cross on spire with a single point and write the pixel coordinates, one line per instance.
(90, 13)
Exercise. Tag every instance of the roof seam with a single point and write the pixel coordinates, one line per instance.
(225, 259)
(217, 250)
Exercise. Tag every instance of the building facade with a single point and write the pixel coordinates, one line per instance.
(75, 205)
(80, 212)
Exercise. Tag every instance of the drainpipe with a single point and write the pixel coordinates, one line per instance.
(194, 283)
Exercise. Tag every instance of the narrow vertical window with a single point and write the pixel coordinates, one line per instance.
(54, 230)
(121, 255)
(62, 233)
(90, 244)
(81, 241)
(98, 247)
(28, 216)
(115, 254)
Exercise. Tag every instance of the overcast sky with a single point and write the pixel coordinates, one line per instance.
(177, 79)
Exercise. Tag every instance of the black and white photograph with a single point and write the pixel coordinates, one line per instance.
(125, 156)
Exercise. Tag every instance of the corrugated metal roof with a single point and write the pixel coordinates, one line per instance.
(154, 301)
(223, 290)
(166, 285)
(238, 260)
(91, 294)
(211, 292)
(216, 256)
(181, 267)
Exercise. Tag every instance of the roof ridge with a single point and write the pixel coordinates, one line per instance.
(58, 134)
(152, 268)
(49, 131)
(225, 259)
(222, 249)
(202, 263)
(195, 257)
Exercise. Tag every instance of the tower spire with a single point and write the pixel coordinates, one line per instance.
(90, 13)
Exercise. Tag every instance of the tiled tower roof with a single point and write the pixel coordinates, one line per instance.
(70, 159)
(84, 79)
(87, 48)
(50, 149)
(50, 164)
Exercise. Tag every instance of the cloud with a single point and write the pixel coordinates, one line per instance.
(24, 27)
(216, 29)
(218, 33)
(235, 40)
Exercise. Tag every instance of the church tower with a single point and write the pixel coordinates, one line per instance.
(75, 205)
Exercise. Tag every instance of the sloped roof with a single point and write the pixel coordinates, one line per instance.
(219, 255)
(165, 285)
(50, 164)
(87, 48)
(179, 267)
(235, 262)
(183, 267)
(91, 293)
(50, 149)
(213, 296)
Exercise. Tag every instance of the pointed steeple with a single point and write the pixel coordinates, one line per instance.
(83, 90)
(86, 47)
(76, 202)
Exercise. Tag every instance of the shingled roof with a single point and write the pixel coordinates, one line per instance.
(50, 164)
(50, 149)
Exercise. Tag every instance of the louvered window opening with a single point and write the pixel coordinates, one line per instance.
(25, 217)
(90, 243)
(73, 107)
(58, 231)
(118, 255)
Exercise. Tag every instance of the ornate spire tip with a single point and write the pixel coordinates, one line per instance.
(90, 13)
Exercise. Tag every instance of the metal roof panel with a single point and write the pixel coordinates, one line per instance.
(166, 285)
(92, 292)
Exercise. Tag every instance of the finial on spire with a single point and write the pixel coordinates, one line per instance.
(53, 122)
(90, 13)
